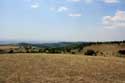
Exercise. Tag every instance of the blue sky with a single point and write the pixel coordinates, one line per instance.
(62, 20)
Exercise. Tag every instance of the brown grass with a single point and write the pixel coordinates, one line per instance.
(106, 49)
(6, 47)
(60, 68)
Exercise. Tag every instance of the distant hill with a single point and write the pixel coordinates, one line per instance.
(68, 44)
(58, 45)
(112, 48)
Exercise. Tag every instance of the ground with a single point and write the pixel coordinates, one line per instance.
(6, 47)
(60, 68)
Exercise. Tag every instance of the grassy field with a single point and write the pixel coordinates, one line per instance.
(106, 49)
(5, 47)
(60, 68)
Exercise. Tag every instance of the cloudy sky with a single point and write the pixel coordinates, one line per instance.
(62, 20)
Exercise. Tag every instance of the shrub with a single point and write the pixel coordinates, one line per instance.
(11, 51)
(73, 52)
(121, 52)
(41, 50)
(2, 51)
(90, 52)
(68, 49)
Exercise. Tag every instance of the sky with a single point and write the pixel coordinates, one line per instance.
(62, 20)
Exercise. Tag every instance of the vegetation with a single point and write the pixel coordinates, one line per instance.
(122, 52)
(63, 63)
(90, 52)
(2, 51)
(60, 68)
(11, 51)
(87, 48)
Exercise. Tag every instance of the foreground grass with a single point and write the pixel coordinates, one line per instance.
(59, 68)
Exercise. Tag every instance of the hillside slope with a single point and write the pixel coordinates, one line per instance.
(105, 49)
(50, 68)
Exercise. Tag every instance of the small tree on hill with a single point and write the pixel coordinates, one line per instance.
(11, 51)
(121, 52)
(90, 52)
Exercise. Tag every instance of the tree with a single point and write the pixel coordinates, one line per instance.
(11, 51)
(121, 52)
(90, 52)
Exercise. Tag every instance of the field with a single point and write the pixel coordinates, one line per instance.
(106, 49)
(60, 68)
(6, 47)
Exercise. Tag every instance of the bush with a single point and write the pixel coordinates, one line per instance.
(11, 51)
(73, 52)
(90, 52)
(2, 51)
(121, 52)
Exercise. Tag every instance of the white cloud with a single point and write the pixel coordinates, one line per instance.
(36, 5)
(89, 1)
(33, 3)
(111, 1)
(75, 14)
(116, 21)
(27, 0)
(62, 8)
(59, 9)
(86, 1)
(74, 0)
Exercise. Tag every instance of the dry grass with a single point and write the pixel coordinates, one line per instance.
(59, 68)
(106, 49)
(6, 47)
